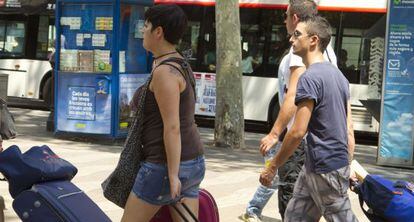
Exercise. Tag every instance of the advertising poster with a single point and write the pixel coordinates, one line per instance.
(128, 84)
(83, 104)
(396, 135)
(206, 94)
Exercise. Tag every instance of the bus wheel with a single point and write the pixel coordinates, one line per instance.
(273, 111)
(47, 92)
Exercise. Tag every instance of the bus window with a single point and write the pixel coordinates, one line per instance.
(264, 41)
(14, 38)
(349, 54)
(2, 35)
(198, 42)
(189, 42)
(51, 40)
(42, 38)
(279, 47)
(333, 37)
(350, 43)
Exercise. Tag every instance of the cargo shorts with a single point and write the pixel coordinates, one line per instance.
(317, 195)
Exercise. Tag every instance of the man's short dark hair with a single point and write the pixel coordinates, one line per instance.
(170, 18)
(320, 27)
(304, 9)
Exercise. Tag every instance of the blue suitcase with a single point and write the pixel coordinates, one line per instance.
(59, 201)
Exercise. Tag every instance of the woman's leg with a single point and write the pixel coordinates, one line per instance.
(192, 204)
(136, 210)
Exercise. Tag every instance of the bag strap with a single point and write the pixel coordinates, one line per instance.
(185, 68)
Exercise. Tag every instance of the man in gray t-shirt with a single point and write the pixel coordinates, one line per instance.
(323, 111)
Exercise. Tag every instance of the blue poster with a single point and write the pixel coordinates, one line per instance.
(396, 135)
(84, 103)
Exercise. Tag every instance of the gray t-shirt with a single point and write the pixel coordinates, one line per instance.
(327, 130)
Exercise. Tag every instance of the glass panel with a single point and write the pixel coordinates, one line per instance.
(86, 38)
(42, 38)
(132, 55)
(15, 38)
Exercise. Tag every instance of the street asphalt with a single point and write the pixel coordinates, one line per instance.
(232, 175)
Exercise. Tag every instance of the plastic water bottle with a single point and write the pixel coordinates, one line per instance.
(268, 158)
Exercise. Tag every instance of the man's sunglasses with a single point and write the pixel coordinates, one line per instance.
(296, 34)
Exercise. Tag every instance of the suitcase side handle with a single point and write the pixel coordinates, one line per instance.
(186, 209)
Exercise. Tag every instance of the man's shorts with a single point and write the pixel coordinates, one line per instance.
(153, 186)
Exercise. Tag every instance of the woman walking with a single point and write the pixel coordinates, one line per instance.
(173, 162)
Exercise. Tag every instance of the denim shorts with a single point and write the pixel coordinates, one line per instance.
(153, 186)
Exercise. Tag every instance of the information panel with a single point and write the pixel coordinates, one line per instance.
(396, 135)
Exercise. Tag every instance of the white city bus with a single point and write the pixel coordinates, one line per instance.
(26, 43)
(358, 41)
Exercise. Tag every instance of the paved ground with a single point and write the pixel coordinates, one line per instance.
(232, 176)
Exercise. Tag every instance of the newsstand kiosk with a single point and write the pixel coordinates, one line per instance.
(100, 62)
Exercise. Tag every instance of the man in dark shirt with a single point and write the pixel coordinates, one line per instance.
(323, 112)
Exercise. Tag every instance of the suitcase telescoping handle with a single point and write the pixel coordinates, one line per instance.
(186, 209)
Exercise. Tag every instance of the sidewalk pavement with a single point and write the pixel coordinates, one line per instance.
(232, 176)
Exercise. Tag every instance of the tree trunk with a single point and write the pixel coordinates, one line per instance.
(229, 121)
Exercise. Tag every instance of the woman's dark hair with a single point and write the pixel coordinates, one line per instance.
(170, 18)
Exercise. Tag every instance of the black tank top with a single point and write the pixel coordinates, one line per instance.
(153, 142)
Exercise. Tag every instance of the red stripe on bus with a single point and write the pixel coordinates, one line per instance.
(274, 6)
(184, 2)
(349, 9)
